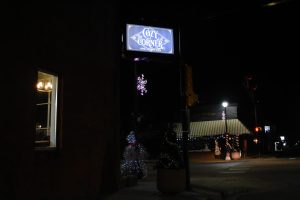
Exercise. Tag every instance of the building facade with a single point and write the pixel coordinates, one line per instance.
(209, 123)
(60, 126)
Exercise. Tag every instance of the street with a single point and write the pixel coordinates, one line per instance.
(260, 178)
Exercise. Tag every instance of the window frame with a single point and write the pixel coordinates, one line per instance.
(52, 112)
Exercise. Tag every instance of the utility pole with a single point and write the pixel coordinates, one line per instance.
(185, 117)
(251, 86)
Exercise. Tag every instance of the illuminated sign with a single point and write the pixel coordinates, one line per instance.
(149, 39)
(267, 129)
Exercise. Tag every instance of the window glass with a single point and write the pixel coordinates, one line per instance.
(46, 110)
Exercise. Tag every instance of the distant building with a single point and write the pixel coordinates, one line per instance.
(208, 121)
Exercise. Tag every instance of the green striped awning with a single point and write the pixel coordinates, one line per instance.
(211, 128)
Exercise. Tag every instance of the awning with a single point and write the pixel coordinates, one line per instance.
(212, 128)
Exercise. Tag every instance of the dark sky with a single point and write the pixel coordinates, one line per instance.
(261, 41)
(224, 42)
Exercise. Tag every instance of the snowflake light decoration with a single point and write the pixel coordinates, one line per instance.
(141, 84)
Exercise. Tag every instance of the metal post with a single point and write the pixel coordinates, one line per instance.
(256, 125)
(185, 118)
(225, 112)
(185, 132)
(255, 112)
(135, 109)
(227, 145)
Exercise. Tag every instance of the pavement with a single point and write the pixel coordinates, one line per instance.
(255, 186)
(145, 189)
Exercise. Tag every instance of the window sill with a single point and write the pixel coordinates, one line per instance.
(45, 148)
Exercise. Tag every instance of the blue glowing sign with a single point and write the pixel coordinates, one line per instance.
(149, 39)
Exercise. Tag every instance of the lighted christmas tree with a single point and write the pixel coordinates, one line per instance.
(170, 156)
(133, 158)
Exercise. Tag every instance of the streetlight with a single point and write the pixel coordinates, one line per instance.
(225, 104)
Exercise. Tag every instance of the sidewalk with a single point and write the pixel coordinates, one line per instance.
(238, 182)
(146, 189)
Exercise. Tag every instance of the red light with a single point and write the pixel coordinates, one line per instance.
(257, 129)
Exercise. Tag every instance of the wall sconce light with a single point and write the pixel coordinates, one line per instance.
(44, 85)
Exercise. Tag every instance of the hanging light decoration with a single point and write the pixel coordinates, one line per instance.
(237, 142)
(141, 84)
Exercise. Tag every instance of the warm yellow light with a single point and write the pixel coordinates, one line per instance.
(40, 85)
(272, 4)
(48, 86)
(44, 86)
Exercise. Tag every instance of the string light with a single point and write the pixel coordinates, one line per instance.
(170, 154)
(141, 84)
(134, 155)
(237, 142)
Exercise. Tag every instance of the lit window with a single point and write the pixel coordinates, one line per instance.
(46, 109)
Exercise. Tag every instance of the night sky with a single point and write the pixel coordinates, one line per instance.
(222, 41)
(225, 42)
(260, 41)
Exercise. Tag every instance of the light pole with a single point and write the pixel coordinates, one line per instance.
(225, 104)
(227, 145)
